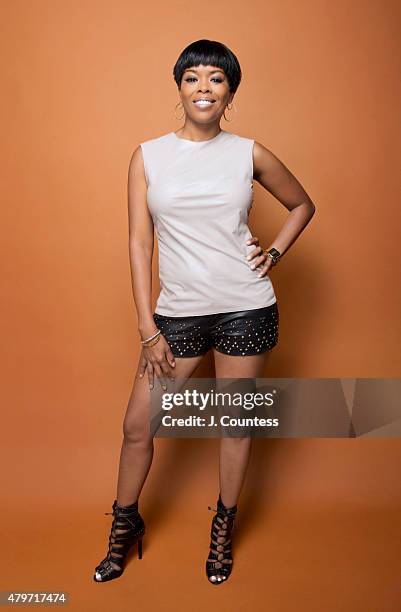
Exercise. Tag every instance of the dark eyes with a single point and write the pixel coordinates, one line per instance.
(218, 79)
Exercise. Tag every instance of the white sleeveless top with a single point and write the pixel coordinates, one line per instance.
(200, 195)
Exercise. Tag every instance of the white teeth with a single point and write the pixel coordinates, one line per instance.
(202, 102)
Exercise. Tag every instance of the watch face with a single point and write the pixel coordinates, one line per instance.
(274, 252)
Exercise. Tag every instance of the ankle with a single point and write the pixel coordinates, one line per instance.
(230, 509)
(129, 506)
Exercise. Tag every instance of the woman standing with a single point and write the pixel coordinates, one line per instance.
(195, 186)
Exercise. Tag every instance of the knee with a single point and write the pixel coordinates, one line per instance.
(138, 435)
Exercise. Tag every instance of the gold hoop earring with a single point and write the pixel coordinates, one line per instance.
(175, 108)
(228, 108)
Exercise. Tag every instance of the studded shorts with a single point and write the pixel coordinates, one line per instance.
(244, 332)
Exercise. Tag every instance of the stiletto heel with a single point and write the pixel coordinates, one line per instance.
(220, 562)
(128, 528)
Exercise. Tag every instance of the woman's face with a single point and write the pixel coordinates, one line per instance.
(207, 83)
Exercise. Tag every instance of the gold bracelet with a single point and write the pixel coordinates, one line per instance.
(153, 342)
(151, 337)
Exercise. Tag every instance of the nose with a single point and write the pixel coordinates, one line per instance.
(204, 87)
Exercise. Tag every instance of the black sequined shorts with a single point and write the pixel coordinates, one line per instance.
(244, 332)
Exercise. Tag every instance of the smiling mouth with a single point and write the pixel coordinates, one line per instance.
(204, 102)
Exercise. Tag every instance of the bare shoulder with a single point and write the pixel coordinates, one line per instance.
(137, 157)
(264, 161)
(136, 166)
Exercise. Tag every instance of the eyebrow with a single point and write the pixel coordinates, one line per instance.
(210, 71)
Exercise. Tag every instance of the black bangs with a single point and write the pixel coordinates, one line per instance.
(209, 53)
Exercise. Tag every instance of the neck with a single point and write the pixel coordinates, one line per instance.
(198, 132)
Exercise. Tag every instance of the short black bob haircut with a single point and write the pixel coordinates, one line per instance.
(209, 53)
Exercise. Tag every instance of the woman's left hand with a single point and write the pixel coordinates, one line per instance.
(259, 257)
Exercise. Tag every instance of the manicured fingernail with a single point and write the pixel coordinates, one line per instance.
(151, 387)
(164, 388)
(140, 375)
(248, 241)
(173, 364)
(252, 267)
(249, 257)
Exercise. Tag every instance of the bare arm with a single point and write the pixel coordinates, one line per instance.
(141, 244)
(274, 176)
(158, 358)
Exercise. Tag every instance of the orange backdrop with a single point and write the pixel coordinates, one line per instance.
(84, 82)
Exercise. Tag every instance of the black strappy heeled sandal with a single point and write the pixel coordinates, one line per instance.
(220, 562)
(128, 528)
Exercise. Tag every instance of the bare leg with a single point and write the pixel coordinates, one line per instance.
(235, 452)
(135, 461)
(234, 458)
(137, 447)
